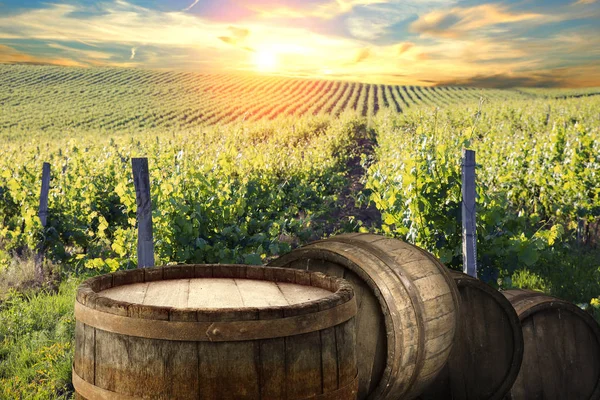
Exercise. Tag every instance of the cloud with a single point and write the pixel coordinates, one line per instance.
(362, 55)
(120, 22)
(188, 8)
(9, 55)
(404, 47)
(325, 9)
(382, 19)
(473, 50)
(368, 28)
(238, 36)
(88, 54)
(423, 56)
(579, 2)
(239, 33)
(210, 45)
(228, 39)
(459, 22)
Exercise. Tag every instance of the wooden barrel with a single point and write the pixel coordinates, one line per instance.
(488, 348)
(215, 332)
(407, 309)
(561, 359)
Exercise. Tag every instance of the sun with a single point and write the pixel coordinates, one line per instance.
(265, 60)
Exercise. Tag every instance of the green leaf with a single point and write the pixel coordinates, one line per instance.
(252, 259)
(528, 255)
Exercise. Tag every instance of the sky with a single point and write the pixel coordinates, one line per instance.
(509, 43)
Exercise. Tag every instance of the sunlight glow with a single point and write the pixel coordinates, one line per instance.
(265, 60)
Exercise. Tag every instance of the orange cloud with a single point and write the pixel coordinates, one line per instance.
(362, 55)
(423, 56)
(228, 39)
(584, 2)
(458, 21)
(404, 47)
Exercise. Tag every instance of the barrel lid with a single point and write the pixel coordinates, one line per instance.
(197, 292)
(125, 302)
(215, 293)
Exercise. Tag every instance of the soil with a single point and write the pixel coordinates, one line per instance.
(347, 209)
(346, 214)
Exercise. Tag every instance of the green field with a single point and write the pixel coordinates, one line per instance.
(244, 168)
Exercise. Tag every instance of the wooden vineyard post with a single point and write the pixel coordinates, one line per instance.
(43, 215)
(141, 180)
(468, 214)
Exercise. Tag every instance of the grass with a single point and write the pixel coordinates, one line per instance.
(18, 273)
(36, 343)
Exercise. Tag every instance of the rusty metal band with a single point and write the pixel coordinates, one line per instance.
(226, 331)
(410, 290)
(93, 392)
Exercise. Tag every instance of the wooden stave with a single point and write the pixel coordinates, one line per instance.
(210, 388)
(528, 302)
(343, 296)
(442, 386)
(388, 389)
(94, 393)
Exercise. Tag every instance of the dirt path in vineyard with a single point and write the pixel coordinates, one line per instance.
(345, 212)
(347, 207)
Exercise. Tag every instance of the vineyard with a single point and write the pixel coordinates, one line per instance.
(244, 168)
(56, 100)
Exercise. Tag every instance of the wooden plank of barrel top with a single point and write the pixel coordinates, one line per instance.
(215, 332)
(488, 349)
(407, 309)
(561, 359)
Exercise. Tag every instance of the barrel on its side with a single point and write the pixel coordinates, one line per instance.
(407, 309)
(488, 349)
(215, 332)
(561, 359)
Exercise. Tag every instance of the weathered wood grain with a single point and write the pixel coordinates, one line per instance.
(215, 293)
(407, 309)
(141, 180)
(561, 358)
(43, 215)
(304, 365)
(469, 218)
(488, 348)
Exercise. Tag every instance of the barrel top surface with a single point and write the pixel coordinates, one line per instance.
(528, 303)
(215, 293)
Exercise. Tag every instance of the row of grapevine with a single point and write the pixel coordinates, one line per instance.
(56, 100)
(220, 195)
(538, 180)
